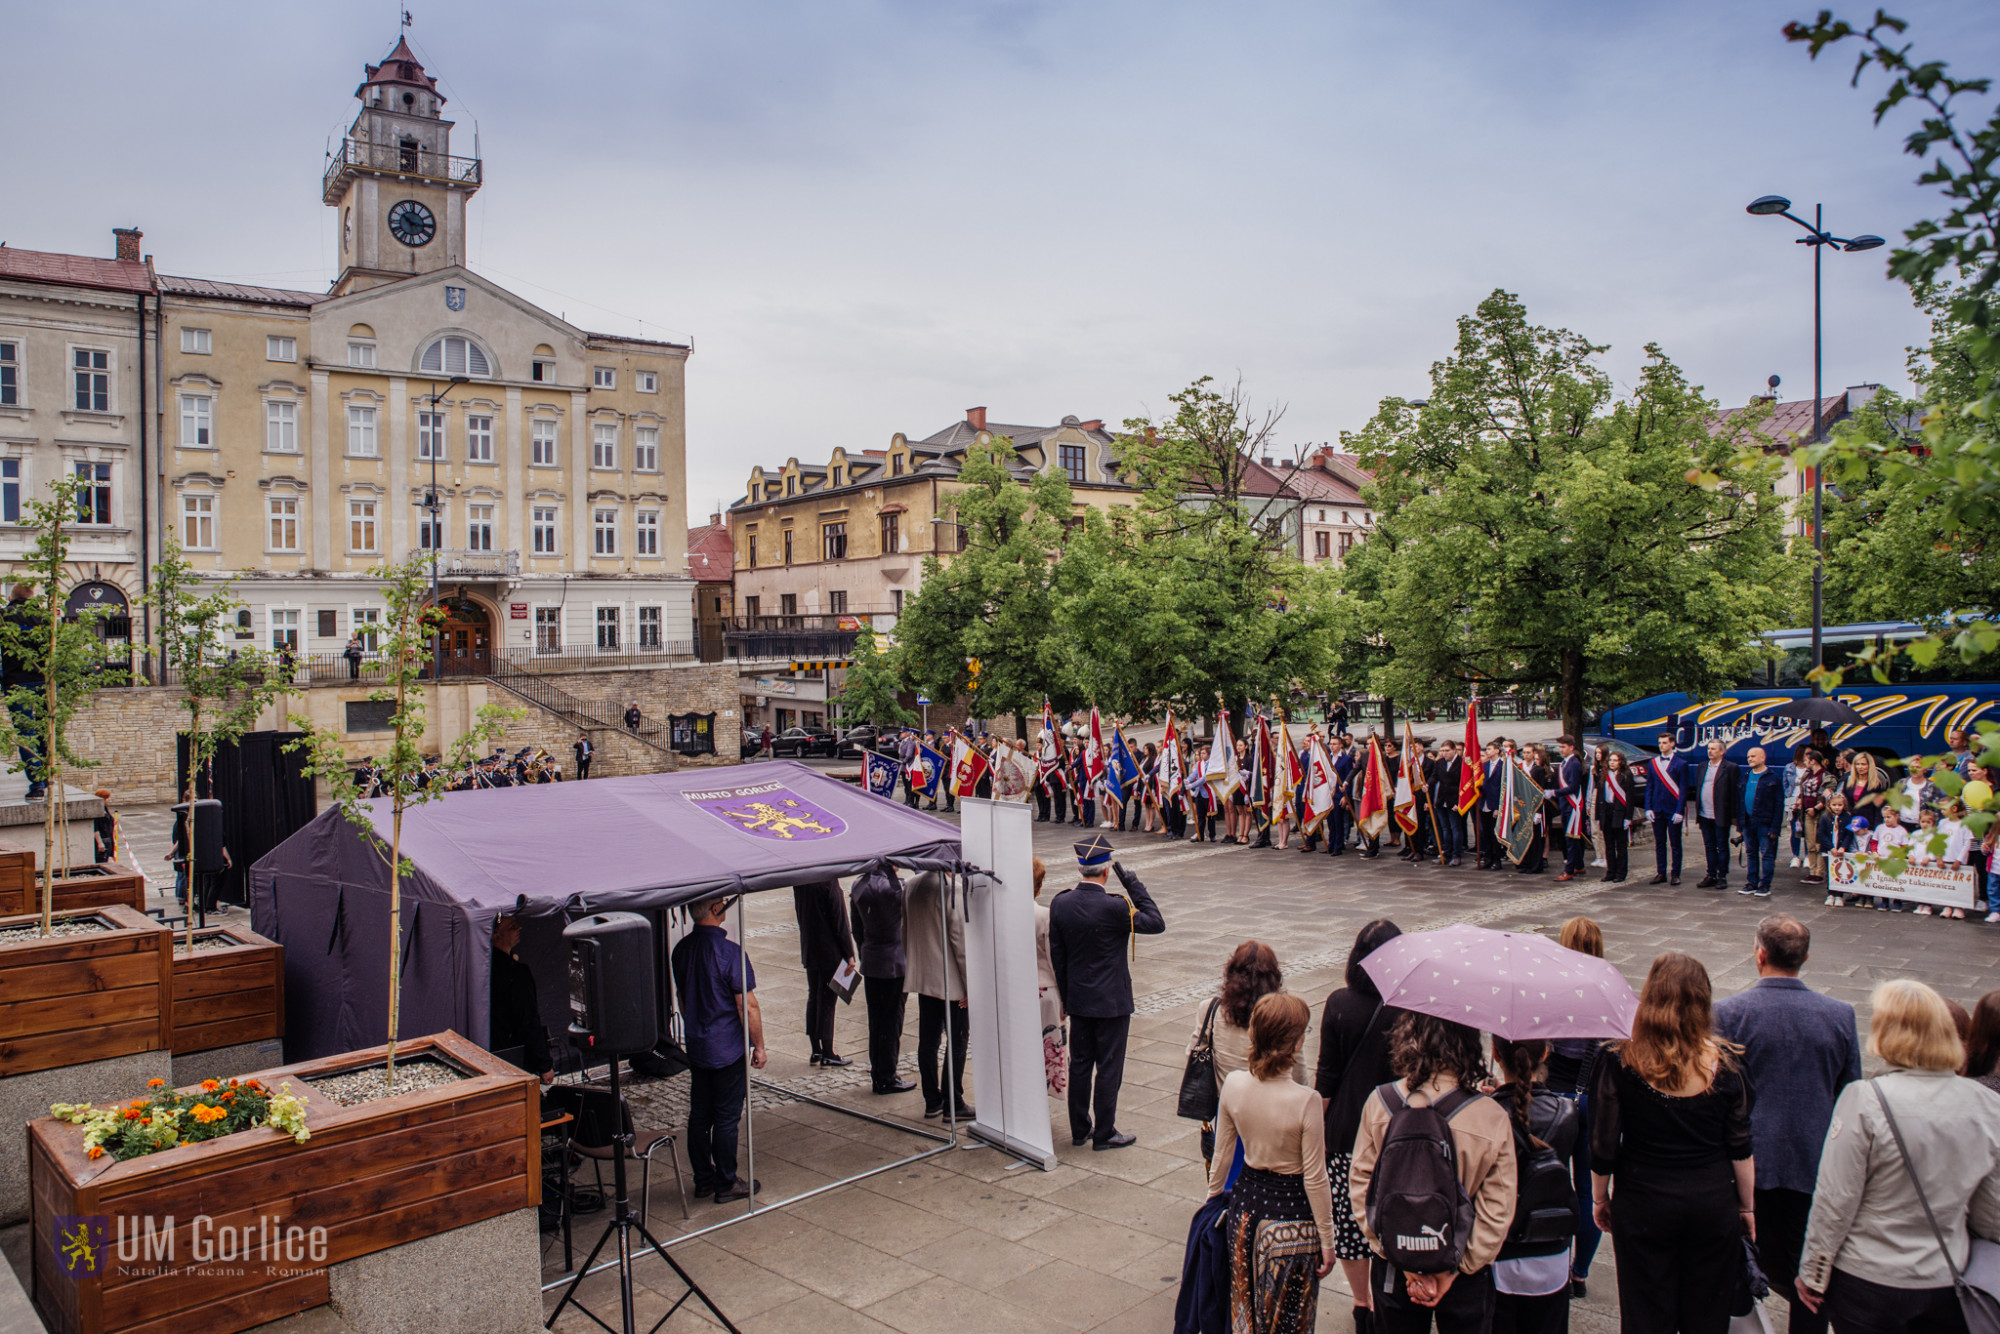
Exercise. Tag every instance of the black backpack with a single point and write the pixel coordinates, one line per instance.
(1417, 1208)
(1545, 1205)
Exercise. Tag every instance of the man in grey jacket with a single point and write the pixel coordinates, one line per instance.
(1800, 1050)
(930, 973)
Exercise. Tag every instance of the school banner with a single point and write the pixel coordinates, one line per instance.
(1921, 882)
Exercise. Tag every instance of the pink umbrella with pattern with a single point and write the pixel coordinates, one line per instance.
(1512, 984)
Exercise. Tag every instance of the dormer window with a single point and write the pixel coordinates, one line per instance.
(895, 465)
(837, 476)
(791, 486)
(455, 356)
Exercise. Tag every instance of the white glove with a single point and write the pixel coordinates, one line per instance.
(1677, 817)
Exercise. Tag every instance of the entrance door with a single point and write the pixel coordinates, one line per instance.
(468, 638)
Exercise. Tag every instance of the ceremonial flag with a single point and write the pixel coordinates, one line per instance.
(1222, 774)
(1124, 768)
(1285, 784)
(1374, 813)
(1260, 768)
(1013, 772)
(1169, 775)
(1520, 799)
(1472, 768)
(1048, 755)
(1322, 787)
(883, 771)
(930, 768)
(1409, 778)
(968, 766)
(1094, 756)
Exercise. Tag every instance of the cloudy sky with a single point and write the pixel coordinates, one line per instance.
(871, 216)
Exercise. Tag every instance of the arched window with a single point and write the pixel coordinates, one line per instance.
(455, 356)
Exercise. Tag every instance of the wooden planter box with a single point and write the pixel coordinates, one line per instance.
(372, 1177)
(95, 886)
(66, 1000)
(222, 997)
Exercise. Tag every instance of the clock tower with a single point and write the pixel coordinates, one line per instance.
(399, 191)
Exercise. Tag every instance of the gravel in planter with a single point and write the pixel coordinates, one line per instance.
(358, 1086)
(202, 943)
(75, 926)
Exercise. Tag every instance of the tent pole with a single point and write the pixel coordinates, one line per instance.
(749, 1121)
(953, 1098)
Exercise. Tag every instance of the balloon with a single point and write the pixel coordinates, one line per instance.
(1978, 794)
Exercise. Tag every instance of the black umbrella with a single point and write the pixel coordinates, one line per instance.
(1819, 709)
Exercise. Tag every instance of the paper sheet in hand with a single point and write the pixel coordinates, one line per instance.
(845, 979)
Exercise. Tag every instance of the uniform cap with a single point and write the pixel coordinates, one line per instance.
(1094, 851)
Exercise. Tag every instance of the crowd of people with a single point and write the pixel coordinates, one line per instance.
(1715, 1124)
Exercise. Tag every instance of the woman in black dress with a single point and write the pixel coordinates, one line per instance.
(1616, 796)
(1671, 1175)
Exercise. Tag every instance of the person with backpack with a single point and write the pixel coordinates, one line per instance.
(1532, 1275)
(1433, 1182)
(1672, 1177)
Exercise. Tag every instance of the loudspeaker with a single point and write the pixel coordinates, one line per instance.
(204, 836)
(611, 999)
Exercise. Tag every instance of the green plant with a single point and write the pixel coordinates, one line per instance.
(168, 1118)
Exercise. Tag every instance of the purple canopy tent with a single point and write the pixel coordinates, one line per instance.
(553, 852)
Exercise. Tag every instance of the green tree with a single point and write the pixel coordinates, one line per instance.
(223, 692)
(1535, 533)
(868, 694)
(63, 656)
(995, 600)
(406, 778)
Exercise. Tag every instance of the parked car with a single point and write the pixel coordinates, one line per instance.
(753, 741)
(856, 740)
(803, 742)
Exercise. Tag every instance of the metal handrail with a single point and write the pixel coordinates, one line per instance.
(560, 702)
(361, 154)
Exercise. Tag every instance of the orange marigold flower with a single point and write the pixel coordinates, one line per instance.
(156, 1083)
(96, 1151)
(137, 1102)
(210, 1085)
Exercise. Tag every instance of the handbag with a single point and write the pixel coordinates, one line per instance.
(1199, 1096)
(1980, 1307)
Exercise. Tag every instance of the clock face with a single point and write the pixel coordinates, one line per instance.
(411, 223)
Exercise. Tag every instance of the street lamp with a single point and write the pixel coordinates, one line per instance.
(434, 506)
(1818, 238)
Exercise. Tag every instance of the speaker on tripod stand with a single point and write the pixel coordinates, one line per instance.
(614, 1014)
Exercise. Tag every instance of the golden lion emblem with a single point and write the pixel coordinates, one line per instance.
(774, 821)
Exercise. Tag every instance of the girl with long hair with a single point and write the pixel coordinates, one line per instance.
(1572, 1065)
(1867, 788)
(1672, 1178)
(1532, 1274)
(1616, 796)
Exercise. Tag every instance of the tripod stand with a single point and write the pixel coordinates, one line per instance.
(624, 1223)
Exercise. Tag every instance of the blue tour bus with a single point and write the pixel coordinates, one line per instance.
(1910, 716)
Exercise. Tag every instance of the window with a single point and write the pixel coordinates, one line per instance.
(280, 349)
(197, 416)
(751, 562)
(361, 525)
(543, 448)
(892, 534)
(647, 541)
(1322, 516)
(1072, 461)
(603, 377)
(896, 600)
(10, 375)
(837, 475)
(548, 630)
(198, 523)
(455, 356)
(788, 604)
(1344, 518)
(284, 628)
(752, 606)
(329, 623)
(646, 448)
(604, 445)
(479, 440)
(833, 541)
(607, 628)
(93, 380)
(1346, 545)
(542, 527)
(361, 432)
(10, 490)
(791, 486)
(479, 528)
(366, 622)
(604, 532)
(430, 436)
(281, 427)
(542, 372)
(836, 602)
(649, 382)
(649, 627)
(285, 524)
(195, 342)
(788, 546)
(243, 627)
(1322, 544)
(361, 355)
(896, 465)
(93, 497)
(428, 532)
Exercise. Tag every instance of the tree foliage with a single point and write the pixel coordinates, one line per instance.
(868, 694)
(1535, 531)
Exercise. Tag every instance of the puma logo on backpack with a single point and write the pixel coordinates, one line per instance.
(1416, 1204)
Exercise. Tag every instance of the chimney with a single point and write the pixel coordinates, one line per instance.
(1094, 424)
(715, 519)
(976, 418)
(1268, 461)
(1320, 457)
(128, 243)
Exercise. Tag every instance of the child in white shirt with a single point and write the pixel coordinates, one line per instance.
(1888, 835)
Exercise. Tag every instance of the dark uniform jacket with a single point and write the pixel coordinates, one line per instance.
(824, 943)
(877, 905)
(1089, 933)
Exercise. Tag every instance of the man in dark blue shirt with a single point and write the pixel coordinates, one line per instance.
(718, 997)
(1763, 813)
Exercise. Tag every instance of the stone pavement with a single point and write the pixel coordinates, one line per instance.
(970, 1240)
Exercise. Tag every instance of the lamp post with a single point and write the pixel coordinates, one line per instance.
(434, 506)
(1818, 238)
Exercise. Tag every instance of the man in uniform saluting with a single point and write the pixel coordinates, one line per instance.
(1090, 932)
